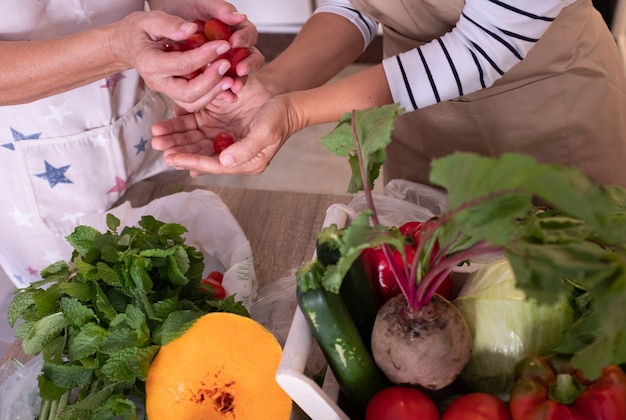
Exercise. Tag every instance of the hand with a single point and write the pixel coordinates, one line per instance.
(244, 35)
(262, 125)
(139, 41)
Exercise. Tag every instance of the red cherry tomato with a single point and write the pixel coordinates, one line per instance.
(215, 29)
(216, 275)
(200, 24)
(401, 403)
(222, 141)
(477, 406)
(174, 46)
(235, 56)
(218, 291)
(194, 41)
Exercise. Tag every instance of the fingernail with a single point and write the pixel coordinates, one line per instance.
(187, 26)
(227, 160)
(223, 68)
(224, 48)
(226, 86)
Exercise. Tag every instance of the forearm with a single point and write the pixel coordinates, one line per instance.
(30, 70)
(365, 89)
(325, 45)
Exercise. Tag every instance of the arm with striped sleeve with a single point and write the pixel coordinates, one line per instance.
(488, 40)
(364, 23)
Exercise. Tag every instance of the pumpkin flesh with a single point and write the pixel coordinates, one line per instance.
(223, 367)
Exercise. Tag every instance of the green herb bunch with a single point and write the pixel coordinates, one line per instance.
(99, 320)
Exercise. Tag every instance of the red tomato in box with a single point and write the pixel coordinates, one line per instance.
(477, 406)
(401, 403)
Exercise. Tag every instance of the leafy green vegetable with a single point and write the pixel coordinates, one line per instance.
(373, 128)
(556, 227)
(99, 319)
(506, 326)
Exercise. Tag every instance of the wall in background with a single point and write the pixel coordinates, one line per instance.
(272, 16)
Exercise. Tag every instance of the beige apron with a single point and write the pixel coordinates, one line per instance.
(564, 104)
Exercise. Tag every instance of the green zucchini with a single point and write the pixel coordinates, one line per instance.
(350, 360)
(355, 289)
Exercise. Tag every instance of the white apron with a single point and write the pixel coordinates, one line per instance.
(74, 153)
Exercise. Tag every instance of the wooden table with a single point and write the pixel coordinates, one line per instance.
(281, 226)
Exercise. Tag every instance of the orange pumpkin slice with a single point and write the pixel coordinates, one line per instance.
(223, 367)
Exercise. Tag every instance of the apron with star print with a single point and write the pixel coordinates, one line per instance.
(71, 154)
(564, 104)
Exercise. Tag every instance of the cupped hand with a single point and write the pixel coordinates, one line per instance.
(140, 42)
(187, 139)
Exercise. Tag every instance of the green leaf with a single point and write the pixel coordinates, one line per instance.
(82, 239)
(67, 377)
(116, 368)
(373, 127)
(140, 362)
(87, 342)
(175, 325)
(108, 274)
(20, 302)
(42, 332)
(112, 222)
(77, 313)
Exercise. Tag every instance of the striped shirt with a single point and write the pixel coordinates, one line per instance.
(490, 38)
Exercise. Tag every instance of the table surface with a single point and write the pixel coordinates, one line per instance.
(281, 226)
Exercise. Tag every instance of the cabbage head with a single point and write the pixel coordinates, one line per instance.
(505, 326)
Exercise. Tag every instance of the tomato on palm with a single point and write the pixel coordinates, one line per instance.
(221, 141)
(401, 403)
(477, 406)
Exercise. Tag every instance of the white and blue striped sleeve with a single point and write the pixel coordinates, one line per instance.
(364, 23)
(490, 38)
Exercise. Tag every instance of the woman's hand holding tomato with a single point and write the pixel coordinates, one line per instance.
(140, 38)
(187, 139)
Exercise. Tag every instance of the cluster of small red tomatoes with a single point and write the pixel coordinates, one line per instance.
(405, 403)
(210, 30)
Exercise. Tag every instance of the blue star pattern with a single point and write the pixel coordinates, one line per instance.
(17, 136)
(141, 146)
(55, 175)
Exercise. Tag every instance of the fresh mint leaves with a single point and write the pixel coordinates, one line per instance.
(99, 319)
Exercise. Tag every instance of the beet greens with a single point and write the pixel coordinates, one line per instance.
(577, 236)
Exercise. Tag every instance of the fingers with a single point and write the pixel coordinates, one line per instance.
(250, 64)
(180, 124)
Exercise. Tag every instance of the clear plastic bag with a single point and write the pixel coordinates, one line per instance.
(19, 392)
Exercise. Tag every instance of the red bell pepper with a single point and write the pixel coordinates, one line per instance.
(378, 271)
(549, 388)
